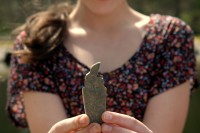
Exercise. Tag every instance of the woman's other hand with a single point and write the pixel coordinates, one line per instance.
(119, 123)
(77, 124)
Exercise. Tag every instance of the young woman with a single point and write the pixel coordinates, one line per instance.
(148, 65)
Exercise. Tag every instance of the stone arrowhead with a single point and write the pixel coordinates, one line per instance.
(94, 94)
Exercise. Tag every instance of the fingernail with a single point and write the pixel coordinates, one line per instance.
(107, 116)
(93, 129)
(82, 120)
(107, 128)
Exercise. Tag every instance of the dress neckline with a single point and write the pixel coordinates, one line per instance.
(126, 63)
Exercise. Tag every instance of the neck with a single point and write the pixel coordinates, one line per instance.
(121, 16)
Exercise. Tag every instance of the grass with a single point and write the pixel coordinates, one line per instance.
(6, 42)
(197, 39)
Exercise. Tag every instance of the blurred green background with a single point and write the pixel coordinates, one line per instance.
(14, 12)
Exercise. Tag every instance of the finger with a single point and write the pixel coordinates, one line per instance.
(106, 128)
(70, 124)
(125, 121)
(92, 128)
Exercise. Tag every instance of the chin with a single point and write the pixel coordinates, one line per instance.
(103, 7)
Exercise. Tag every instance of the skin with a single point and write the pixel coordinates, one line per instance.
(115, 123)
(107, 32)
(74, 124)
(97, 30)
(173, 108)
(47, 110)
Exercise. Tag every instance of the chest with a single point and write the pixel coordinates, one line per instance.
(111, 49)
(127, 86)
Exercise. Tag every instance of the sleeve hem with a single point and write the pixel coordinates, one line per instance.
(193, 86)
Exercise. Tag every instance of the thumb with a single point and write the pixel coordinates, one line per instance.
(70, 124)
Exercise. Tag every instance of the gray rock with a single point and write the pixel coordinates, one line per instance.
(94, 94)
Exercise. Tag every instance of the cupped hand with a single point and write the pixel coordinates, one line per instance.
(120, 123)
(77, 124)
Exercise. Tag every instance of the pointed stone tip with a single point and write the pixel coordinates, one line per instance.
(95, 68)
(96, 64)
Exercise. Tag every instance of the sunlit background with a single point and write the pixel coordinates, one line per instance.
(14, 12)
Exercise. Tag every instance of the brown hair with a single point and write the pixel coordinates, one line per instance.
(44, 32)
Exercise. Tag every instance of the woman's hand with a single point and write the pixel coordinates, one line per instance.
(119, 123)
(77, 124)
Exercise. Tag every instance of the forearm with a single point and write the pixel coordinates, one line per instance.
(167, 112)
(43, 110)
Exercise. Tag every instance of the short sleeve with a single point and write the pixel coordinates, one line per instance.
(26, 77)
(175, 61)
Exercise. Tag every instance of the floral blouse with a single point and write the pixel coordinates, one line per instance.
(164, 60)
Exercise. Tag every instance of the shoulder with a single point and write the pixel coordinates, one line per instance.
(17, 62)
(171, 32)
(170, 24)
